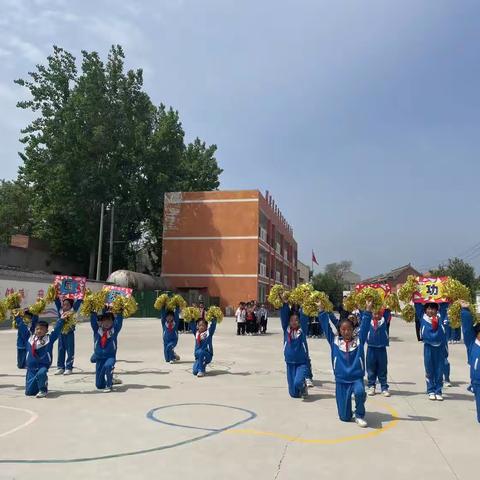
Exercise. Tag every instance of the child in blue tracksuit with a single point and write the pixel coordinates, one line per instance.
(433, 322)
(39, 354)
(348, 361)
(66, 342)
(295, 350)
(170, 323)
(377, 358)
(471, 338)
(22, 342)
(203, 345)
(105, 332)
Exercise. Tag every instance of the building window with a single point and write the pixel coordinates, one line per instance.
(262, 293)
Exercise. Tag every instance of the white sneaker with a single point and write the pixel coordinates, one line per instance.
(386, 393)
(305, 391)
(41, 394)
(200, 374)
(361, 422)
(432, 396)
(439, 397)
(447, 384)
(107, 390)
(67, 372)
(177, 357)
(371, 391)
(171, 362)
(116, 381)
(309, 382)
(59, 371)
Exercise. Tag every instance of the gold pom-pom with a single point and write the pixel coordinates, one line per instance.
(70, 320)
(406, 291)
(350, 302)
(369, 294)
(191, 313)
(51, 294)
(455, 290)
(161, 301)
(408, 313)
(275, 296)
(3, 311)
(391, 303)
(455, 314)
(125, 306)
(38, 307)
(13, 301)
(176, 301)
(214, 313)
(300, 293)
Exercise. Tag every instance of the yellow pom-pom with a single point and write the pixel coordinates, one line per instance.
(38, 307)
(391, 303)
(176, 301)
(51, 294)
(13, 301)
(3, 311)
(161, 301)
(406, 291)
(350, 302)
(455, 290)
(125, 306)
(214, 313)
(369, 294)
(300, 293)
(191, 313)
(455, 314)
(70, 322)
(408, 313)
(99, 300)
(275, 296)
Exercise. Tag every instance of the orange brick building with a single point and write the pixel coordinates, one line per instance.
(229, 245)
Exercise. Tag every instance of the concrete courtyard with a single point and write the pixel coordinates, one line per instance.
(236, 423)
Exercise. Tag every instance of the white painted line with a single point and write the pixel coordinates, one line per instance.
(33, 417)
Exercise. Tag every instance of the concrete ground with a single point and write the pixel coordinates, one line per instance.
(237, 423)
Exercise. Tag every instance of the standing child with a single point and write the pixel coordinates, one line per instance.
(377, 358)
(295, 350)
(203, 345)
(240, 316)
(22, 341)
(251, 320)
(471, 338)
(170, 323)
(105, 332)
(348, 361)
(432, 320)
(39, 354)
(263, 315)
(66, 341)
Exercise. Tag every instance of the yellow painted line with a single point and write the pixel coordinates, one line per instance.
(322, 441)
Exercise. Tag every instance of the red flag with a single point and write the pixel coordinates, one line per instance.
(314, 258)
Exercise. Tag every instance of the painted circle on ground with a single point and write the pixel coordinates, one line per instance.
(33, 417)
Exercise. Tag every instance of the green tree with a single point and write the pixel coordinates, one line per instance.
(332, 286)
(15, 210)
(338, 270)
(460, 270)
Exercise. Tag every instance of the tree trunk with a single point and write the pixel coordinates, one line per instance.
(91, 265)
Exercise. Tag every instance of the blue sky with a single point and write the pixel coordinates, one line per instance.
(362, 118)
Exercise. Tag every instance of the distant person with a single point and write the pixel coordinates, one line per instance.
(201, 306)
(22, 340)
(170, 323)
(263, 316)
(250, 320)
(39, 354)
(203, 351)
(348, 360)
(240, 315)
(66, 341)
(471, 338)
(106, 328)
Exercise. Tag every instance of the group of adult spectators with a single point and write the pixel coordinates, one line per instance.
(251, 318)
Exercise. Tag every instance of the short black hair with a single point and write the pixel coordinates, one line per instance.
(476, 328)
(69, 300)
(204, 320)
(43, 323)
(432, 305)
(106, 316)
(345, 320)
(170, 313)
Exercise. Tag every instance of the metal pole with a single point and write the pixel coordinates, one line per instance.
(110, 253)
(100, 241)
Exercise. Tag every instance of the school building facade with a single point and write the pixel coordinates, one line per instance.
(229, 245)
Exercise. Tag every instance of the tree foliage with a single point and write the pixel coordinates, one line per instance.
(98, 138)
(332, 286)
(338, 270)
(459, 270)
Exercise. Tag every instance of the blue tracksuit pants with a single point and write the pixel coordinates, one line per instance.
(169, 350)
(66, 350)
(309, 369)
(104, 372)
(21, 357)
(36, 381)
(377, 362)
(202, 359)
(296, 375)
(343, 395)
(434, 360)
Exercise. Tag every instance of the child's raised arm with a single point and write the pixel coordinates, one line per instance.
(467, 326)
(118, 322)
(177, 318)
(58, 305)
(285, 316)
(212, 327)
(22, 328)
(77, 304)
(419, 311)
(94, 321)
(327, 326)
(33, 324)
(58, 329)
(163, 316)
(193, 326)
(443, 311)
(304, 321)
(365, 324)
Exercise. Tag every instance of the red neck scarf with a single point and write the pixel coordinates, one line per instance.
(377, 317)
(170, 326)
(290, 333)
(103, 340)
(34, 346)
(435, 323)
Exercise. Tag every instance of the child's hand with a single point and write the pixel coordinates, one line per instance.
(285, 297)
(369, 305)
(320, 307)
(464, 304)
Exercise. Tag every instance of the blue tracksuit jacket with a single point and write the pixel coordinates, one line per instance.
(295, 347)
(379, 337)
(110, 349)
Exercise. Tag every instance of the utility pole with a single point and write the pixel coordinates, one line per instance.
(110, 253)
(100, 241)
